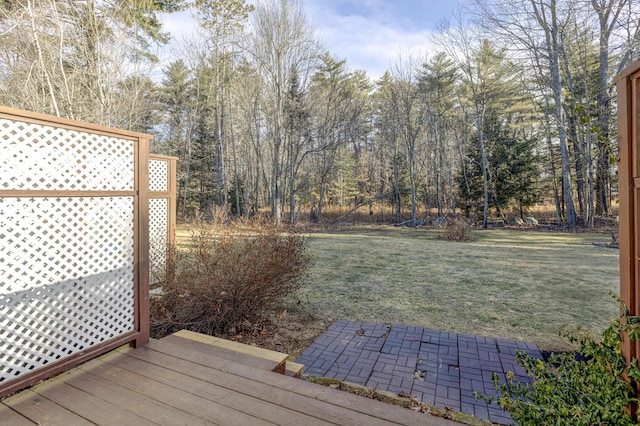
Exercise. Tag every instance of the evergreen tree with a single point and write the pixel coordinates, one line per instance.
(177, 99)
(512, 169)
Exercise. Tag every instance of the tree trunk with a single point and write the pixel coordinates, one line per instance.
(608, 13)
(578, 163)
(396, 182)
(292, 198)
(218, 151)
(414, 199)
(552, 36)
(485, 180)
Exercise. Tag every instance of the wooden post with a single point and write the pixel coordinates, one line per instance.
(142, 244)
(628, 87)
(173, 203)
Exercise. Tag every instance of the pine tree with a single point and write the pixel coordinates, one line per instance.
(512, 169)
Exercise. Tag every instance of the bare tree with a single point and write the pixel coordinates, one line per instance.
(222, 23)
(411, 120)
(608, 13)
(535, 26)
(437, 84)
(282, 42)
(86, 60)
(388, 137)
(336, 113)
(463, 48)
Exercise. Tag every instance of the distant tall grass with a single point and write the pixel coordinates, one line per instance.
(384, 214)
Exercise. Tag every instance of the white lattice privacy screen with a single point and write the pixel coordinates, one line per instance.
(158, 217)
(67, 242)
(66, 267)
(158, 175)
(39, 157)
(162, 212)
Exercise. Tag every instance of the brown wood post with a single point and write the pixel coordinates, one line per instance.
(142, 244)
(628, 88)
(173, 203)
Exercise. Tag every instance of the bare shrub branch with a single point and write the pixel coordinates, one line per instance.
(228, 278)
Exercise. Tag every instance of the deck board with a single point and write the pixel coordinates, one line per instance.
(40, 410)
(90, 407)
(142, 405)
(233, 346)
(240, 394)
(171, 396)
(230, 355)
(177, 381)
(8, 417)
(287, 401)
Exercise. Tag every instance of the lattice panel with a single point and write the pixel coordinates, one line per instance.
(49, 158)
(66, 277)
(158, 236)
(158, 175)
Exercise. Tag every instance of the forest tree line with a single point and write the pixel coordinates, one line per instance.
(515, 106)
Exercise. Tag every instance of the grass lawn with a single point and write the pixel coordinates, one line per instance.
(505, 283)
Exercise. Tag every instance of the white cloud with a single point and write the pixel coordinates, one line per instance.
(179, 25)
(183, 28)
(372, 39)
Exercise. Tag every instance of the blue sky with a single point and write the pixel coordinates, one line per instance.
(369, 34)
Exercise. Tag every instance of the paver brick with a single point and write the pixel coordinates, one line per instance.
(382, 386)
(448, 383)
(428, 398)
(313, 351)
(361, 371)
(322, 364)
(381, 377)
(448, 403)
(367, 362)
(384, 367)
(404, 371)
(425, 385)
(467, 408)
(370, 354)
(468, 362)
(395, 350)
(442, 391)
(355, 379)
(388, 357)
(480, 411)
(496, 415)
(468, 397)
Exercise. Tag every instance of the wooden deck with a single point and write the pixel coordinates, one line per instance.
(180, 381)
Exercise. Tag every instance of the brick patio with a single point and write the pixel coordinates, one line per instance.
(438, 368)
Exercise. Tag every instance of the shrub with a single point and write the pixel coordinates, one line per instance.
(457, 230)
(227, 279)
(588, 389)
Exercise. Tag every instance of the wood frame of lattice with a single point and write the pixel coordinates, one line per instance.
(74, 243)
(628, 88)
